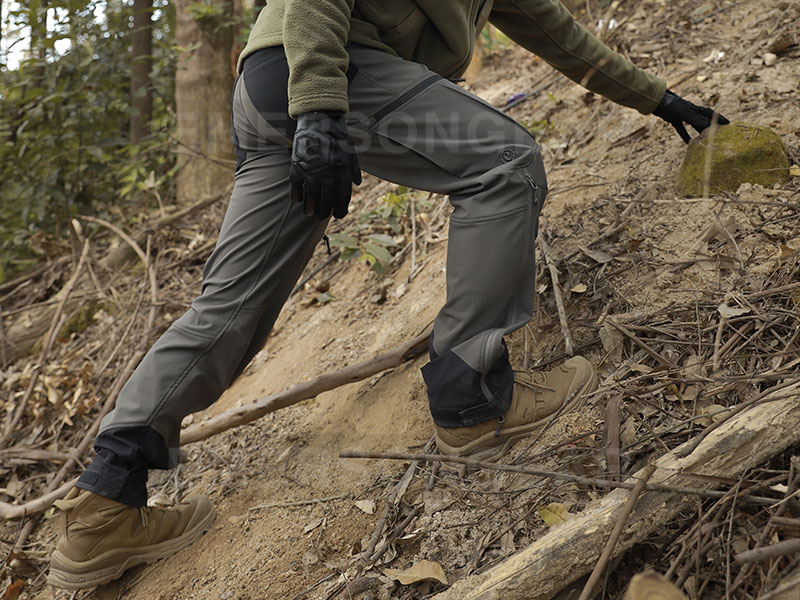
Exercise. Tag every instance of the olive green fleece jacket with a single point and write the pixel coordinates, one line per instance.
(441, 35)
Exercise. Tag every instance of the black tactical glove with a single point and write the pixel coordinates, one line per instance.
(677, 111)
(324, 164)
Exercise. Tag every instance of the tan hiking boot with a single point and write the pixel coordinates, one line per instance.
(538, 398)
(99, 539)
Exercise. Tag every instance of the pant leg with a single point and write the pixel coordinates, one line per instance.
(420, 130)
(411, 127)
(264, 244)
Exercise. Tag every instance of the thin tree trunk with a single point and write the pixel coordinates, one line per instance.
(2, 53)
(141, 63)
(202, 97)
(37, 20)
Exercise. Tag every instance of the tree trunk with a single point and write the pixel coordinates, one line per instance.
(141, 63)
(37, 21)
(202, 96)
(569, 551)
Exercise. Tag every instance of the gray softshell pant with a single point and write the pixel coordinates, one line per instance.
(410, 126)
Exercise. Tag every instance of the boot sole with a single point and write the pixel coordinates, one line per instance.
(71, 575)
(500, 445)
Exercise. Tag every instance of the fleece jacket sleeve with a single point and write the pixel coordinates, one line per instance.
(315, 33)
(546, 28)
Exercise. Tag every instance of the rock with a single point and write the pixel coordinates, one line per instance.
(741, 153)
(770, 59)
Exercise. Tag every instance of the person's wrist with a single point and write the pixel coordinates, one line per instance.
(663, 106)
(319, 115)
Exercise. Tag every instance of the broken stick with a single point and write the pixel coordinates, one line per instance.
(303, 391)
(562, 313)
(602, 562)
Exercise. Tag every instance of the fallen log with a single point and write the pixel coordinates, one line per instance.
(569, 551)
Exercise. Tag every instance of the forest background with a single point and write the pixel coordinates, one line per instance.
(110, 108)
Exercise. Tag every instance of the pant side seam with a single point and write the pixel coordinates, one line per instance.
(179, 380)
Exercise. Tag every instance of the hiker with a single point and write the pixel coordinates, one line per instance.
(327, 88)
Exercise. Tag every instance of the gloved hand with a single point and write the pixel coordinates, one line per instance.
(323, 164)
(677, 111)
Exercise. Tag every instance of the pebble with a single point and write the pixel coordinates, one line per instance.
(770, 59)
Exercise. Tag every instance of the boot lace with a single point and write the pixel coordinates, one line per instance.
(538, 381)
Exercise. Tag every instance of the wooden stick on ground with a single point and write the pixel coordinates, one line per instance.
(602, 562)
(303, 391)
(625, 485)
(769, 552)
(562, 313)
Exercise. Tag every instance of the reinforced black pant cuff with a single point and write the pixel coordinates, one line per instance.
(459, 396)
(112, 481)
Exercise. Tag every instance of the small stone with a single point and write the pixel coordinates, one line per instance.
(741, 153)
(770, 59)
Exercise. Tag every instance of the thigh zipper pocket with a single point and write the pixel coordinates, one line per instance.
(405, 97)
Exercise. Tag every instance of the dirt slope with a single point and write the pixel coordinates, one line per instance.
(600, 158)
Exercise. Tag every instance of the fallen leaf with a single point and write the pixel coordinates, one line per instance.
(437, 499)
(553, 514)
(732, 311)
(612, 341)
(12, 591)
(597, 255)
(633, 245)
(312, 526)
(367, 506)
(578, 289)
(794, 171)
(713, 413)
(424, 570)
(786, 251)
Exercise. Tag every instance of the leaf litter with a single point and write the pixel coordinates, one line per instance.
(719, 310)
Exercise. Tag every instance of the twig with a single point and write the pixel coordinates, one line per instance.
(562, 314)
(303, 391)
(658, 487)
(780, 591)
(392, 499)
(612, 427)
(125, 237)
(310, 276)
(768, 552)
(602, 562)
(413, 238)
(301, 502)
(396, 533)
(3, 360)
(150, 267)
(55, 326)
(53, 491)
(786, 522)
(794, 480)
(313, 586)
(624, 331)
